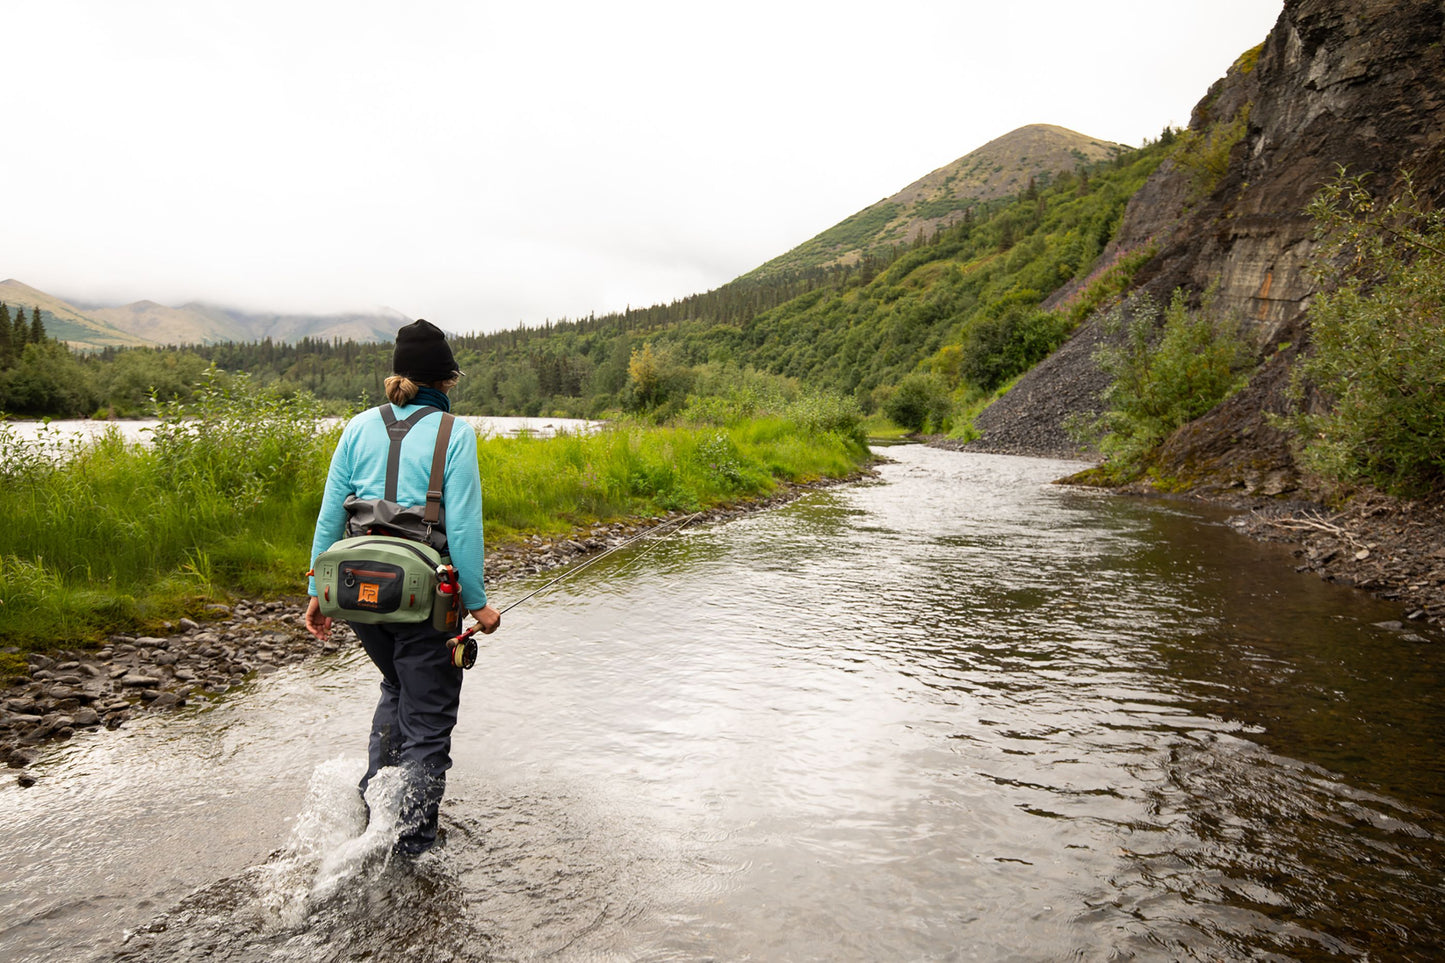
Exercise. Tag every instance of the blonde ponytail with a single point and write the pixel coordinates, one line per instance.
(400, 389)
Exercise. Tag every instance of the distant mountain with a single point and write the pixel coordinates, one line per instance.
(88, 326)
(64, 321)
(1003, 167)
(159, 324)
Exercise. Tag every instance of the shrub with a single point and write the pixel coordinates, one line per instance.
(920, 401)
(1162, 376)
(1000, 348)
(1378, 340)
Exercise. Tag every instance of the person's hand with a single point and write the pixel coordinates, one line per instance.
(488, 618)
(317, 624)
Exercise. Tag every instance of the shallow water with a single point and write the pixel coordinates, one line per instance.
(955, 714)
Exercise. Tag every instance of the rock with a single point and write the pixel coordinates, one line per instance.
(186, 625)
(25, 780)
(166, 700)
(1392, 625)
(20, 758)
(55, 722)
(139, 680)
(86, 718)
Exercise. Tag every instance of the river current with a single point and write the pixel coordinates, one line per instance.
(956, 713)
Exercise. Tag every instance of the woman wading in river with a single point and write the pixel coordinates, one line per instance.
(420, 687)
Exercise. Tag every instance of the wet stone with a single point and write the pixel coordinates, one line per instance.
(139, 680)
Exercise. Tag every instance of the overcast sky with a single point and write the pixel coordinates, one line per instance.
(484, 164)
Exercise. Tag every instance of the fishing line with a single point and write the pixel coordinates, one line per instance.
(597, 558)
(463, 648)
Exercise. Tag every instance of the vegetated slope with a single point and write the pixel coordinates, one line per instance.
(65, 322)
(1353, 83)
(857, 330)
(1004, 167)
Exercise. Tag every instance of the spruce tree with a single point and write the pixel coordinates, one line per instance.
(37, 326)
(19, 332)
(7, 347)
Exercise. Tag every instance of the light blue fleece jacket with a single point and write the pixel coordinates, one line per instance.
(358, 467)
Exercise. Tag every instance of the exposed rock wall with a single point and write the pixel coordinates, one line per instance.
(1352, 83)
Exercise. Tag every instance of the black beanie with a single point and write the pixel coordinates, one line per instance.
(422, 353)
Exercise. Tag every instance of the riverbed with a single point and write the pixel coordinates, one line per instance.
(954, 713)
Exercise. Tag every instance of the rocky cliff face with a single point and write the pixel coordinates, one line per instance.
(1352, 83)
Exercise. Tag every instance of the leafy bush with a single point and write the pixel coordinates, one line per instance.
(1003, 347)
(1163, 376)
(1378, 340)
(920, 401)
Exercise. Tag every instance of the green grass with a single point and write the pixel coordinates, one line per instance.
(115, 536)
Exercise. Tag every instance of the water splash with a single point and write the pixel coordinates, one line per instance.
(337, 838)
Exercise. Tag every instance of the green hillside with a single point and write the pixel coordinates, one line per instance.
(937, 305)
(1002, 168)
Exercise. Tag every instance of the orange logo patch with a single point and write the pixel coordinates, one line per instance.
(368, 592)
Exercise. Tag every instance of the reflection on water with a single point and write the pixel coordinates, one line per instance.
(956, 714)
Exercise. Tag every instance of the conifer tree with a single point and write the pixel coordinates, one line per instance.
(37, 326)
(7, 348)
(19, 332)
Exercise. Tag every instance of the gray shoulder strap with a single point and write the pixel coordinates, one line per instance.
(396, 430)
(438, 471)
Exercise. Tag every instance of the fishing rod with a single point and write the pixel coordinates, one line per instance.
(463, 647)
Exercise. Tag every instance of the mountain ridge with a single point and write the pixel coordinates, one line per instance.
(89, 326)
(1004, 167)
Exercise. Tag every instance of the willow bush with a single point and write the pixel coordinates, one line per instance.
(1377, 336)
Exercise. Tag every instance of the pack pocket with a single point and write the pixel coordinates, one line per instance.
(368, 586)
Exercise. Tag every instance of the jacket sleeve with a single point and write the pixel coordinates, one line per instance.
(462, 496)
(331, 519)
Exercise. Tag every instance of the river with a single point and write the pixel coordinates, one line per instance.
(954, 714)
(62, 434)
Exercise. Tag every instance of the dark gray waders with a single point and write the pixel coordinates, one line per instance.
(412, 728)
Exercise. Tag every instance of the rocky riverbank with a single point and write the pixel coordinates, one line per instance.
(70, 691)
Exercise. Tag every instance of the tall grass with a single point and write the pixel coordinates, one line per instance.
(114, 536)
(111, 535)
